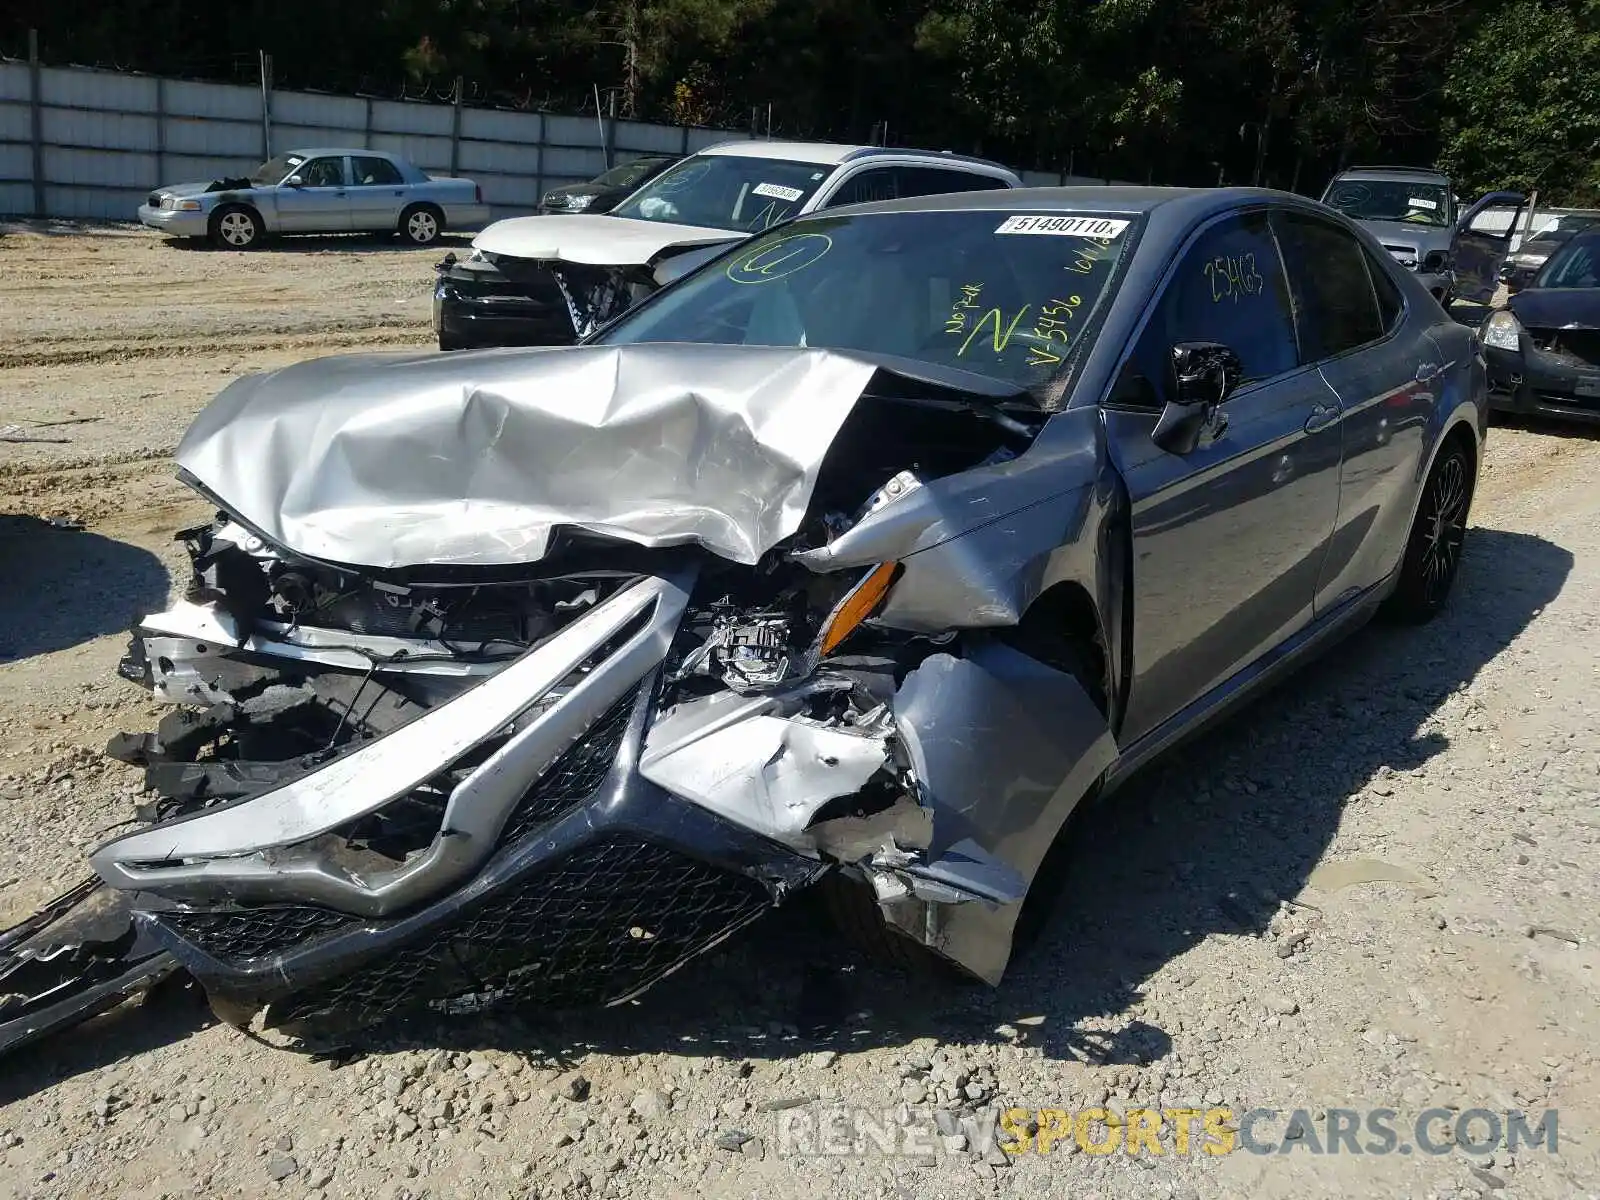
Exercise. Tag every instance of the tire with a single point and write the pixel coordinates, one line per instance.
(1433, 548)
(235, 227)
(853, 908)
(421, 224)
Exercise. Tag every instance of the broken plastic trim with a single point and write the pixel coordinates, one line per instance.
(90, 963)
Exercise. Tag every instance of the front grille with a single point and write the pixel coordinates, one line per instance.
(595, 927)
(574, 777)
(242, 934)
(1580, 344)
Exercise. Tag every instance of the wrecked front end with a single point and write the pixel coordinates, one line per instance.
(440, 785)
(489, 300)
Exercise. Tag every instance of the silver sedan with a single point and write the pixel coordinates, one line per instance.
(318, 191)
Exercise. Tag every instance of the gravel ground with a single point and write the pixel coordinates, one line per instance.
(1375, 889)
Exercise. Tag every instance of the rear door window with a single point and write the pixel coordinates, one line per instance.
(936, 181)
(1335, 304)
(878, 183)
(1390, 303)
(374, 172)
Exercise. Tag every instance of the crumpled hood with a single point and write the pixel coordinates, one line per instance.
(597, 240)
(186, 191)
(1557, 308)
(474, 458)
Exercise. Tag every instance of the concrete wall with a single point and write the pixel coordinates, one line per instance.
(86, 143)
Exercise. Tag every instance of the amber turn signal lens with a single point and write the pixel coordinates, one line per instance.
(860, 604)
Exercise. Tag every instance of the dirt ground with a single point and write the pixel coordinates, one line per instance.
(1375, 889)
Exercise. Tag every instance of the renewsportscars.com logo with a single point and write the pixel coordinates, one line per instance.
(846, 1131)
(1375, 1131)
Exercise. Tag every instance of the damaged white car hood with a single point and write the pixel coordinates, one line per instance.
(599, 240)
(475, 458)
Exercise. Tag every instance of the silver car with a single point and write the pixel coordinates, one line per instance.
(318, 191)
(1412, 211)
(855, 559)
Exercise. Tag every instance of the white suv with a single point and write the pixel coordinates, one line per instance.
(551, 280)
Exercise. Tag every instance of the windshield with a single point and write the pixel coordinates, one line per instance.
(1391, 200)
(628, 174)
(274, 170)
(726, 191)
(1002, 296)
(1575, 265)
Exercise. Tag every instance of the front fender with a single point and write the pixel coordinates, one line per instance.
(962, 718)
(978, 552)
(978, 548)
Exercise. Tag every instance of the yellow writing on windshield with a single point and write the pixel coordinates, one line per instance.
(966, 302)
(780, 258)
(1091, 252)
(1001, 331)
(1053, 326)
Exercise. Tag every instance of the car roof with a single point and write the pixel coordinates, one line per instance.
(822, 153)
(1184, 203)
(324, 151)
(1393, 173)
(830, 154)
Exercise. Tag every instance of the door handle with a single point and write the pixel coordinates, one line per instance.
(1321, 417)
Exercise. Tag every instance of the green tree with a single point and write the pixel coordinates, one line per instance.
(1522, 104)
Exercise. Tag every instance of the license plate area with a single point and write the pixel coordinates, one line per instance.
(1588, 388)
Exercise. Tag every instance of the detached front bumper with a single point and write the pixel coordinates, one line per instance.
(174, 222)
(1531, 382)
(557, 873)
(600, 885)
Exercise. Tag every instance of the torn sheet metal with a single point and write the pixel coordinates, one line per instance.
(474, 459)
(1052, 472)
(1005, 748)
(766, 772)
(976, 547)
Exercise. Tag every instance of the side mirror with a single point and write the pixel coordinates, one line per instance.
(1200, 377)
(294, 181)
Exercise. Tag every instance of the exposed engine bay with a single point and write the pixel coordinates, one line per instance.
(452, 784)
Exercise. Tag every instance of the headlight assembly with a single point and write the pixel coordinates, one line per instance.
(1502, 331)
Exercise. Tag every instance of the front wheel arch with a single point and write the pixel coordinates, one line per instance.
(1417, 598)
